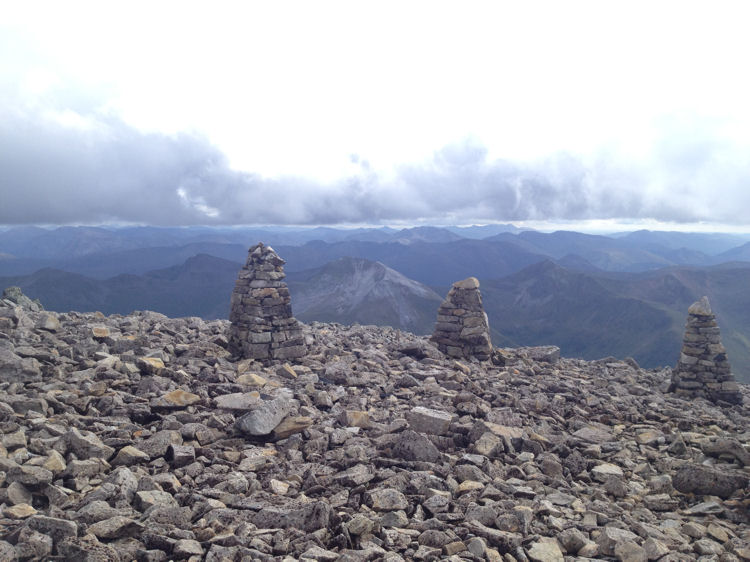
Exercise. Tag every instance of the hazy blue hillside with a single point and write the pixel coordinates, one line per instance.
(199, 287)
(419, 252)
(593, 314)
(740, 253)
(710, 243)
(604, 252)
(434, 264)
(548, 304)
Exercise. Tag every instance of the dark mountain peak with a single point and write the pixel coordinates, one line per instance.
(52, 273)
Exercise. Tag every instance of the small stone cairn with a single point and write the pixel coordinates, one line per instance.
(703, 369)
(262, 325)
(462, 328)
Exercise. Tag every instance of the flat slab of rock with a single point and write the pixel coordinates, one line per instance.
(308, 518)
(264, 417)
(429, 420)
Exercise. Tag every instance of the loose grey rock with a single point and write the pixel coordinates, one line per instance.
(56, 528)
(29, 475)
(115, 528)
(87, 549)
(387, 499)
(610, 537)
(264, 416)
(429, 420)
(527, 456)
(698, 479)
(545, 550)
(84, 445)
(309, 518)
(146, 499)
(413, 446)
(14, 295)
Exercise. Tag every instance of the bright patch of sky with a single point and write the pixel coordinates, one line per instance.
(535, 111)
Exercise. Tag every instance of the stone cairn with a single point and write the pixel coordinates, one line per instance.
(462, 328)
(262, 325)
(703, 369)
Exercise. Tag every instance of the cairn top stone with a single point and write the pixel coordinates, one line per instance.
(262, 252)
(468, 283)
(701, 308)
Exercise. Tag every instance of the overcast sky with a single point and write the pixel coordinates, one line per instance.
(379, 112)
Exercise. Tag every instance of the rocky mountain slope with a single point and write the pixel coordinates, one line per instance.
(140, 438)
(351, 290)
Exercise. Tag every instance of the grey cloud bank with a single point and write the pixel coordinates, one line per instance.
(66, 167)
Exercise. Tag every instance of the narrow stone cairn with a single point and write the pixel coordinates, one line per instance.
(462, 328)
(703, 369)
(262, 325)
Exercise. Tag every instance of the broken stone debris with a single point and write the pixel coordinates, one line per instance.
(367, 452)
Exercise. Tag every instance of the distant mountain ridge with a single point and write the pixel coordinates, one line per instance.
(348, 290)
(432, 255)
(593, 295)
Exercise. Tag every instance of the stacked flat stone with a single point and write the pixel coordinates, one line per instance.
(703, 369)
(462, 328)
(262, 325)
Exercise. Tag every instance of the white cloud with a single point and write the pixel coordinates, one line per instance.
(567, 107)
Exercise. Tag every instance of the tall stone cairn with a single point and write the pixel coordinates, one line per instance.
(262, 326)
(462, 328)
(703, 369)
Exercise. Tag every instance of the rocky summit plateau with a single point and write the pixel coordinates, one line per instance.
(141, 437)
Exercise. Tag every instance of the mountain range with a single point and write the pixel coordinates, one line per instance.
(622, 295)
